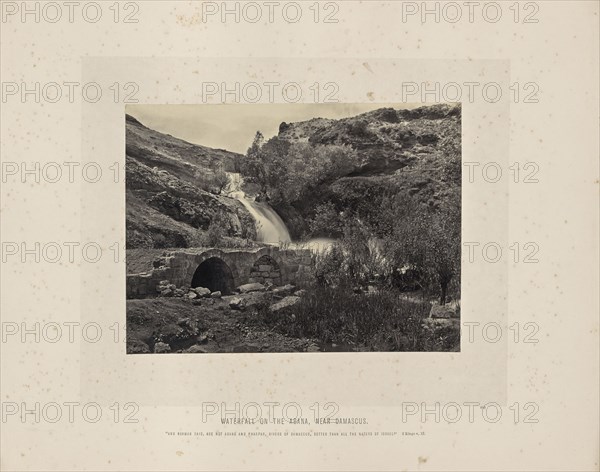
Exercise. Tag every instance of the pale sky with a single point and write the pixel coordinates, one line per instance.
(233, 126)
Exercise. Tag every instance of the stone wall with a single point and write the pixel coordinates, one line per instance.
(265, 270)
(266, 264)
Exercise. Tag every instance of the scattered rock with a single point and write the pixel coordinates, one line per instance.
(166, 293)
(202, 292)
(254, 287)
(160, 348)
(283, 290)
(437, 323)
(300, 293)
(216, 294)
(250, 300)
(135, 346)
(284, 303)
(236, 303)
(178, 292)
(313, 348)
(197, 302)
(195, 349)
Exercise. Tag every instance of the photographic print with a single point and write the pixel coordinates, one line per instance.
(293, 228)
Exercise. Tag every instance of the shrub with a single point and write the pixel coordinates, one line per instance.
(214, 182)
(215, 234)
(326, 220)
(383, 321)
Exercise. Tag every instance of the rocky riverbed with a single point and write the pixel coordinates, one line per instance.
(194, 320)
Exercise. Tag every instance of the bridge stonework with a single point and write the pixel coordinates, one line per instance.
(265, 264)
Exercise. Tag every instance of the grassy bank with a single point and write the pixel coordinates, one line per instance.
(382, 321)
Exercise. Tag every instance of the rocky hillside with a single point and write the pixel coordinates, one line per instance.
(167, 205)
(171, 197)
(414, 151)
(387, 139)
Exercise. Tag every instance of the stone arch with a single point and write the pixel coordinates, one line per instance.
(266, 270)
(214, 274)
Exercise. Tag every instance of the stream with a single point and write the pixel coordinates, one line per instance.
(270, 227)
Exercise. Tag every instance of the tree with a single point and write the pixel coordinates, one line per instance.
(288, 172)
(426, 241)
(214, 182)
(251, 165)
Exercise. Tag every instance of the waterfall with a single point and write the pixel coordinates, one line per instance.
(270, 227)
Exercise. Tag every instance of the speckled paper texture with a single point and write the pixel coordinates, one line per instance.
(526, 400)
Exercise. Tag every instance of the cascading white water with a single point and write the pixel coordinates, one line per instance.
(269, 226)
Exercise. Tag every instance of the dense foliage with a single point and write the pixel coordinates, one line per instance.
(385, 185)
(415, 249)
(214, 182)
(288, 172)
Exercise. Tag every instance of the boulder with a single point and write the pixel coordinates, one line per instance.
(438, 311)
(300, 292)
(166, 293)
(250, 300)
(135, 346)
(188, 324)
(178, 292)
(283, 290)
(160, 348)
(192, 295)
(236, 303)
(216, 294)
(253, 287)
(202, 292)
(195, 349)
(438, 323)
(162, 285)
(284, 303)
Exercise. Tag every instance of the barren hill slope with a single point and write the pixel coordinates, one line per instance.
(166, 206)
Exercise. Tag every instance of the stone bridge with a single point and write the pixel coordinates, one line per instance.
(222, 269)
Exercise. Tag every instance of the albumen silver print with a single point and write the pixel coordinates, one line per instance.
(333, 233)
